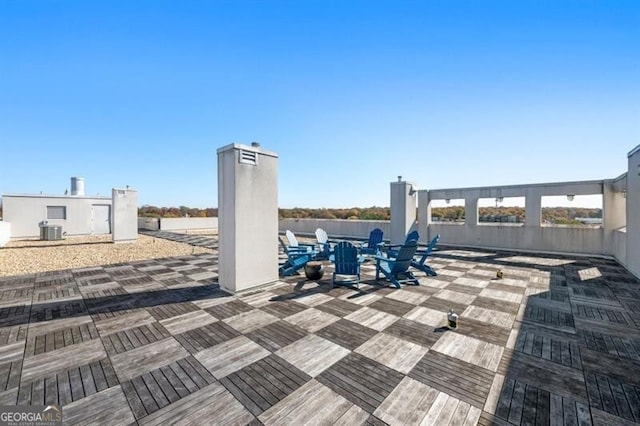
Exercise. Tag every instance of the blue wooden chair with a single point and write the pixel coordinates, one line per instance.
(392, 250)
(297, 258)
(324, 244)
(347, 263)
(294, 245)
(372, 246)
(420, 263)
(396, 269)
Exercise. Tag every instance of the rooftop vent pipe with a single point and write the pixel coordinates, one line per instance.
(77, 187)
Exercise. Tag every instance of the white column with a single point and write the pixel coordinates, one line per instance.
(471, 211)
(124, 215)
(633, 212)
(532, 209)
(247, 217)
(614, 209)
(403, 210)
(424, 215)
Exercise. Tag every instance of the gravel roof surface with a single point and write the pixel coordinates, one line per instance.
(33, 256)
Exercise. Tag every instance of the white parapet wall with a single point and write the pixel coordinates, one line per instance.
(619, 245)
(551, 239)
(336, 227)
(5, 232)
(633, 212)
(532, 235)
(188, 223)
(149, 223)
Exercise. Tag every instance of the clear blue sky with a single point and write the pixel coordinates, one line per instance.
(350, 94)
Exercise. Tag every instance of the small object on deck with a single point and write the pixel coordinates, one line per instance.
(499, 274)
(452, 319)
(314, 271)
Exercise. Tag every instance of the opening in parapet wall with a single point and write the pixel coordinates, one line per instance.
(449, 211)
(508, 211)
(578, 210)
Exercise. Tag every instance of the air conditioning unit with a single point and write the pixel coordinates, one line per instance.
(50, 232)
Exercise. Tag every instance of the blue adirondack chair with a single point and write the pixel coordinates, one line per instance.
(420, 263)
(396, 269)
(392, 250)
(373, 245)
(347, 263)
(294, 245)
(297, 258)
(324, 244)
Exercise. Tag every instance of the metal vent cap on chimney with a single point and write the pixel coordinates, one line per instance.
(77, 186)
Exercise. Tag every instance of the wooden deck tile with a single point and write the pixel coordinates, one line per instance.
(360, 380)
(391, 306)
(109, 406)
(312, 298)
(500, 319)
(229, 309)
(166, 311)
(276, 335)
(225, 358)
(147, 358)
(337, 307)
(407, 296)
(550, 317)
(312, 319)
(469, 349)
(12, 352)
(62, 359)
(56, 310)
(624, 347)
(264, 383)
(392, 352)
(205, 337)
(617, 316)
(190, 320)
(372, 318)
(15, 333)
(131, 338)
(313, 354)
(483, 331)
(522, 403)
(284, 308)
(553, 377)
(158, 388)
(347, 333)
(311, 403)
(69, 385)
(361, 298)
(414, 332)
(118, 323)
(443, 305)
(249, 321)
(462, 380)
(551, 348)
(613, 396)
(456, 297)
(496, 305)
(472, 282)
(414, 403)
(200, 407)
(610, 365)
(10, 371)
(427, 316)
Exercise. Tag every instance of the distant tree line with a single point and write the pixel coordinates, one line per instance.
(182, 211)
(367, 213)
(554, 215)
(360, 213)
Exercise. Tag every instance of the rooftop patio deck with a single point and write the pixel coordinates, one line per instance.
(557, 340)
